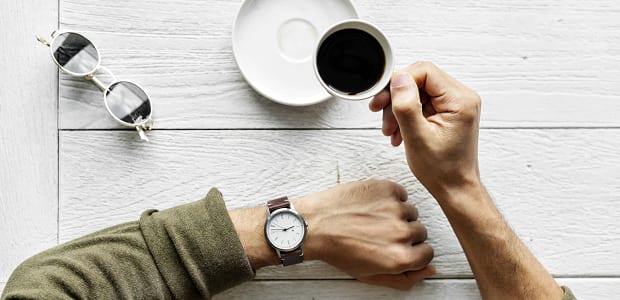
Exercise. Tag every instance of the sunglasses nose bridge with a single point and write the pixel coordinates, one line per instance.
(96, 81)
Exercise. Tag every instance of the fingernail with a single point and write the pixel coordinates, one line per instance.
(401, 79)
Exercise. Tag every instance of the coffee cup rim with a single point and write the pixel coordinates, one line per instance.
(376, 33)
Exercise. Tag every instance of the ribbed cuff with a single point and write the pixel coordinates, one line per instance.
(568, 294)
(196, 248)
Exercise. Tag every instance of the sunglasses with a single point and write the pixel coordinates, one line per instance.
(126, 101)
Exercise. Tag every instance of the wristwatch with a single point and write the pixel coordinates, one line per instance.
(285, 230)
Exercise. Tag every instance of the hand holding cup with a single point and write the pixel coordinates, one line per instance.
(437, 118)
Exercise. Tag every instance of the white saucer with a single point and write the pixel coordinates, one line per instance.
(273, 42)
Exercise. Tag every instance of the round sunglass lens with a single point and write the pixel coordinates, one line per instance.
(128, 102)
(75, 53)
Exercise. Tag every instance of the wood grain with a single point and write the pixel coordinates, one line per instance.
(547, 64)
(28, 133)
(591, 289)
(555, 186)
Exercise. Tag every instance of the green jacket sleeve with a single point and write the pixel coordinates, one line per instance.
(186, 252)
(568, 294)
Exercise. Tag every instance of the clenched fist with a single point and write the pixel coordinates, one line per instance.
(368, 230)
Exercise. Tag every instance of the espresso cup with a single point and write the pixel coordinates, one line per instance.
(353, 60)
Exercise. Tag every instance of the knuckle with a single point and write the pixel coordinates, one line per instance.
(415, 213)
(419, 232)
(426, 254)
(365, 186)
(373, 182)
(428, 64)
(423, 233)
(413, 65)
(476, 98)
(425, 64)
(383, 183)
(471, 105)
(400, 261)
(402, 230)
(393, 208)
(423, 256)
(392, 188)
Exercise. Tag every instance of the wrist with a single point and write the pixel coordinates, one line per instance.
(308, 209)
(468, 203)
(250, 227)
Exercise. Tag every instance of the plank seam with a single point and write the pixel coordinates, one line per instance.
(333, 128)
(58, 137)
(438, 278)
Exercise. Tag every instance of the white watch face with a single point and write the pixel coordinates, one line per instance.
(285, 230)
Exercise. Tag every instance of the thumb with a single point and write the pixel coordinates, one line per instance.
(406, 104)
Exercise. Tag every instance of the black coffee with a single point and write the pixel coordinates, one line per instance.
(350, 61)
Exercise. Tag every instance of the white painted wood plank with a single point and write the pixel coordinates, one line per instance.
(551, 63)
(28, 133)
(583, 288)
(555, 186)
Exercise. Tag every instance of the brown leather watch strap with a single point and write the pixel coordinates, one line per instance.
(291, 258)
(278, 203)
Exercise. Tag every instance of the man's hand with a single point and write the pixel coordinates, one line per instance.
(366, 229)
(437, 118)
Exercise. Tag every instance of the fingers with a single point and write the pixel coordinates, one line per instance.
(389, 122)
(443, 90)
(418, 232)
(406, 105)
(403, 281)
(410, 212)
(396, 139)
(401, 192)
(380, 101)
(419, 275)
(430, 78)
(421, 255)
(408, 257)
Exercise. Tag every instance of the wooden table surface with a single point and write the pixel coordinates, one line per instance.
(548, 72)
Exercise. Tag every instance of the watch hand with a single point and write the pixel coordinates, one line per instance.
(278, 225)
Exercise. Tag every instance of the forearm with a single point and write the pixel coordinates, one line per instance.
(502, 265)
(189, 251)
